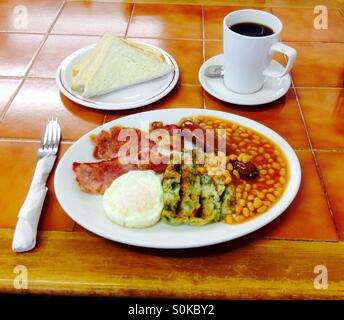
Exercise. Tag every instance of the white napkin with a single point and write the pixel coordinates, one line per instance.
(26, 229)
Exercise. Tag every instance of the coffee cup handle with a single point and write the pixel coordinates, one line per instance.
(287, 51)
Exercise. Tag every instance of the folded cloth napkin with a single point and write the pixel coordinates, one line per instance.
(26, 229)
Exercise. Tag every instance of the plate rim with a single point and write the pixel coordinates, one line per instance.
(201, 242)
(118, 106)
(201, 76)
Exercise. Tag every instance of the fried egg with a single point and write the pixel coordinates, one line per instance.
(134, 199)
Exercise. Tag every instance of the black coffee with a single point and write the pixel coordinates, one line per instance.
(252, 29)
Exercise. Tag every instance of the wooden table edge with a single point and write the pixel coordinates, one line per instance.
(81, 264)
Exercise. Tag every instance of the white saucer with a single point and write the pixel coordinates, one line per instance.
(273, 88)
(128, 98)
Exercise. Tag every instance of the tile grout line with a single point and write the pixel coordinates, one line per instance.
(167, 38)
(10, 100)
(30, 64)
(284, 40)
(152, 37)
(320, 88)
(322, 181)
(203, 34)
(11, 77)
(123, 35)
(329, 150)
(57, 16)
(295, 239)
(129, 21)
(22, 32)
(317, 166)
(311, 41)
(203, 52)
(222, 5)
(182, 84)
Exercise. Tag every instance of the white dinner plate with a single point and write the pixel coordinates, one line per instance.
(273, 88)
(128, 98)
(86, 209)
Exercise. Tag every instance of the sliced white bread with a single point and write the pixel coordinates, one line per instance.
(115, 64)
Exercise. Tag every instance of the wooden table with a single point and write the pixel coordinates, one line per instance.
(277, 261)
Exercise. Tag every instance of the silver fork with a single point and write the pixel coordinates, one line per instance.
(50, 138)
(26, 229)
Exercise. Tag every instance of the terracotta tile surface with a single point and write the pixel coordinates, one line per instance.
(39, 99)
(213, 19)
(324, 114)
(318, 64)
(79, 228)
(187, 53)
(167, 27)
(212, 48)
(7, 89)
(40, 15)
(331, 165)
(308, 217)
(16, 52)
(165, 21)
(15, 178)
(14, 184)
(299, 25)
(54, 50)
(283, 116)
(85, 17)
(182, 97)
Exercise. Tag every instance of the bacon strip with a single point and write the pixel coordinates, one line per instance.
(96, 177)
(107, 144)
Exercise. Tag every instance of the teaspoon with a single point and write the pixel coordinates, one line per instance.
(215, 71)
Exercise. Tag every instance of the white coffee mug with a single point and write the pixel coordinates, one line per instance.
(246, 58)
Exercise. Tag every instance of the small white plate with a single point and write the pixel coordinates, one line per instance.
(87, 210)
(127, 98)
(273, 88)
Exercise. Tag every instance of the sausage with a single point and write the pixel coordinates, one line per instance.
(247, 171)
